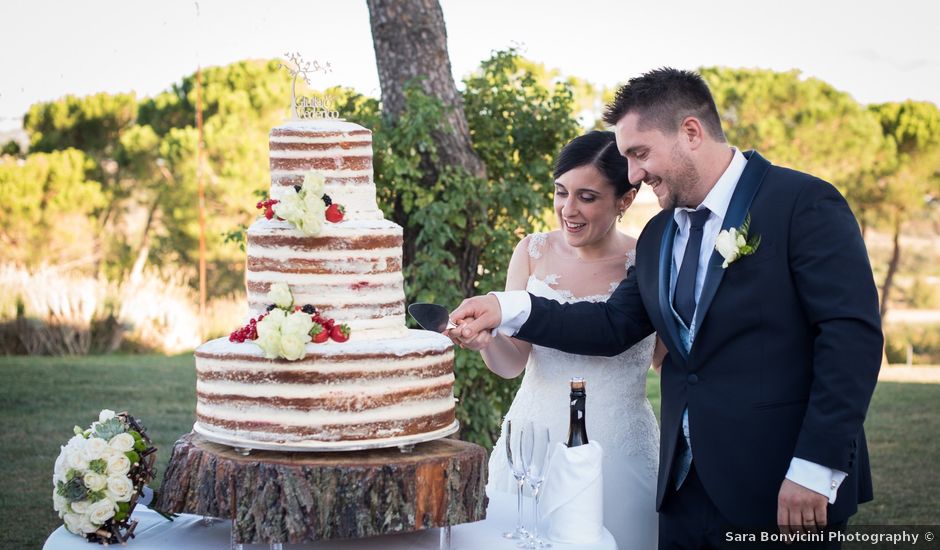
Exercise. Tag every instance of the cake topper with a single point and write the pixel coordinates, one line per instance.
(309, 107)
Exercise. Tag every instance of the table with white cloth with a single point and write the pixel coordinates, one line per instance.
(189, 532)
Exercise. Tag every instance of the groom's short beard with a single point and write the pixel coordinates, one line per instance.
(682, 180)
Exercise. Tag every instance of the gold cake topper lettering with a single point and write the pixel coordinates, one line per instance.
(309, 107)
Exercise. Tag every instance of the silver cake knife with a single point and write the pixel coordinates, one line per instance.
(431, 316)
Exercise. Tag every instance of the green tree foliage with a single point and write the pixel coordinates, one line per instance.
(51, 208)
(801, 123)
(466, 228)
(910, 185)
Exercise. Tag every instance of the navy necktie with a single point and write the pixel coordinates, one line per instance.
(684, 298)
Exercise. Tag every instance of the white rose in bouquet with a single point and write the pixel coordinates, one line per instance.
(95, 448)
(87, 525)
(95, 481)
(118, 464)
(280, 295)
(313, 184)
(59, 470)
(120, 488)
(73, 522)
(122, 442)
(80, 506)
(101, 511)
(75, 457)
(105, 414)
(59, 503)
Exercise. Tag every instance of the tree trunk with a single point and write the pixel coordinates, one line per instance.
(410, 42)
(303, 497)
(892, 266)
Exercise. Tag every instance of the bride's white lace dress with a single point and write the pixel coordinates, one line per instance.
(618, 414)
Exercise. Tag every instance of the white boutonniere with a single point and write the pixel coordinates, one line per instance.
(734, 243)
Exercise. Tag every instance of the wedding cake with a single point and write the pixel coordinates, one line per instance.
(378, 381)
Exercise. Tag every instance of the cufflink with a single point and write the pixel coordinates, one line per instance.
(834, 484)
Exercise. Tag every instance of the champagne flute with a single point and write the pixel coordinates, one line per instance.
(536, 447)
(514, 457)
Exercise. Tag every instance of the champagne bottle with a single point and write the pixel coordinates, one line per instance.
(577, 431)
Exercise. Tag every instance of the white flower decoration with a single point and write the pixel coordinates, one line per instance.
(118, 465)
(280, 295)
(734, 243)
(120, 488)
(95, 481)
(314, 184)
(122, 442)
(101, 511)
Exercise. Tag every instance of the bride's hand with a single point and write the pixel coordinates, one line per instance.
(477, 342)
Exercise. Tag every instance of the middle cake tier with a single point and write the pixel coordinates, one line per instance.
(350, 272)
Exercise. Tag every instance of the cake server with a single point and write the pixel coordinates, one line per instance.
(431, 316)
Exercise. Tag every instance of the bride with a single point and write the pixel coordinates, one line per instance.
(585, 260)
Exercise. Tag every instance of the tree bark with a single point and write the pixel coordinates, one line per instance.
(410, 41)
(305, 497)
(892, 267)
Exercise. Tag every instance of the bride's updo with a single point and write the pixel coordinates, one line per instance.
(599, 149)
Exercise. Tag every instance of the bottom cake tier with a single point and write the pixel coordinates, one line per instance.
(357, 391)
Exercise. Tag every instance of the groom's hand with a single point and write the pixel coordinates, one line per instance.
(475, 318)
(800, 509)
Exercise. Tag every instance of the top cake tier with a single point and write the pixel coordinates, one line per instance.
(339, 150)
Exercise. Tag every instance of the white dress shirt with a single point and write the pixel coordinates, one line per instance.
(516, 305)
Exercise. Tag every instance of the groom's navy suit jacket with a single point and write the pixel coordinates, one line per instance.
(787, 349)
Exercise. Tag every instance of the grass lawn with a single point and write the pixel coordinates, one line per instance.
(41, 399)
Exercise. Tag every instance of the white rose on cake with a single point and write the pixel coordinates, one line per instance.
(314, 184)
(295, 333)
(290, 207)
(269, 333)
(280, 295)
(314, 213)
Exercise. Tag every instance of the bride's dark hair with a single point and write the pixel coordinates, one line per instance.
(598, 149)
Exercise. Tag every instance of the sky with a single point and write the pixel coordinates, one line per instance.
(876, 51)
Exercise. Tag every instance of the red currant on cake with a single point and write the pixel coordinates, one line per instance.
(334, 213)
(340, 333)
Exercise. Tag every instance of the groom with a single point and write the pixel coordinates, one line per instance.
(772, 358)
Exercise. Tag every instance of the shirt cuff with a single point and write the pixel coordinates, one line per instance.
(816, 477)
(515, 305)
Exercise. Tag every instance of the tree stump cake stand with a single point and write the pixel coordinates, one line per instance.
(290, 497)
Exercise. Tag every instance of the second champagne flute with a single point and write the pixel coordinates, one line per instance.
(513, 437)
(536, 448)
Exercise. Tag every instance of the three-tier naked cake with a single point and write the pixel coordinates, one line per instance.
(386, 384)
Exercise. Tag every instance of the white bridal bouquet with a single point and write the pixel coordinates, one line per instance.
(98, 476)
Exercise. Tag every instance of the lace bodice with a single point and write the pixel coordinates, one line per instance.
(618, 413)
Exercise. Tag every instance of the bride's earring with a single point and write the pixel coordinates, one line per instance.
(620, 216)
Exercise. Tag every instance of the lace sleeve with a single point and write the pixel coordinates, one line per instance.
(536, 244)
(631, 260)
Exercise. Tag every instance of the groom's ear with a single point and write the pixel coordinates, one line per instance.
(692, 131)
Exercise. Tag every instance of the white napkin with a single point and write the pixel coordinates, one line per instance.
(573, 499)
